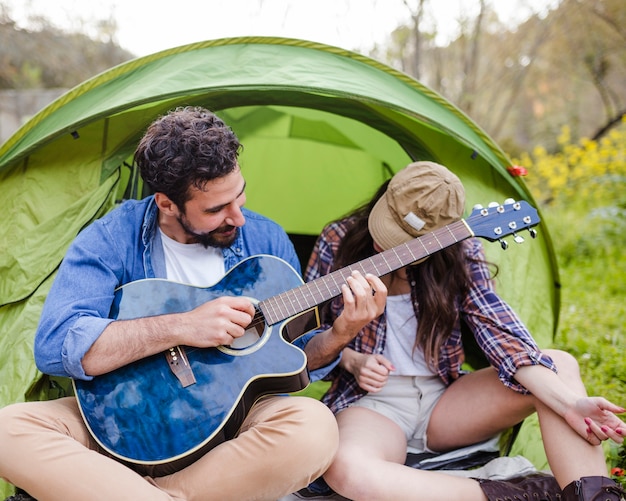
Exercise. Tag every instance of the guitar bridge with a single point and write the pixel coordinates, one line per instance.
(179, 365)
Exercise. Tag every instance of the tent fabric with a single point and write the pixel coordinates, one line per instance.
(322, 128)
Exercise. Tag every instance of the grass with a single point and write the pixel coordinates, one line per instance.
(592, 265)
(590, 247)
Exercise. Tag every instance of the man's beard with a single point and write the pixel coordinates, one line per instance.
(212, 238)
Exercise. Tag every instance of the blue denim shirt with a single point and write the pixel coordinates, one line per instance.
(122, 247)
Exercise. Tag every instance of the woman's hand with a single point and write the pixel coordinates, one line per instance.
(370, 371)
(598, 414)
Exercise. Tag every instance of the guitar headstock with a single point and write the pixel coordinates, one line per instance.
(500, 220)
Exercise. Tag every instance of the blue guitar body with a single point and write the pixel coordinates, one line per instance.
(145, 417)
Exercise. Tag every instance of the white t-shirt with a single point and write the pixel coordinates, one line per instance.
(401, 329)
(192, 264)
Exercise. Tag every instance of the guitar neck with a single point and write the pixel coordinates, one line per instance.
(287, 304)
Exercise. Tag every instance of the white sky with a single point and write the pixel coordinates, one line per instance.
(148, 26)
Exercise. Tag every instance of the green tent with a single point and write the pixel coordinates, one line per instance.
(322, 128)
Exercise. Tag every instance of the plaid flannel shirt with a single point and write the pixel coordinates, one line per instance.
(500, 334)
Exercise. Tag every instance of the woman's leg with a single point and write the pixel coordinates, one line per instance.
(475, 408)
(369, 464)
(570, 456)
(478, 406)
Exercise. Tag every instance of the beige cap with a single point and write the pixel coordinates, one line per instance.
(420, 198)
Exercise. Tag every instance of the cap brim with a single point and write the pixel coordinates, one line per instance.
(384, 229)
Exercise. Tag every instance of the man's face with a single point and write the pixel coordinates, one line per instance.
(212, 216)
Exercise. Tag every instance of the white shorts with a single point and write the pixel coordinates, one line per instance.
(409, 402)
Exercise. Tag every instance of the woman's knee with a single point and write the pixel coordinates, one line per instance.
(566, 364)
(354, 474)
(344, 472)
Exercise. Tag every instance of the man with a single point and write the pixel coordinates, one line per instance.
(192, 230)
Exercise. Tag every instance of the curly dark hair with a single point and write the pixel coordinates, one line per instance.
(185, 148)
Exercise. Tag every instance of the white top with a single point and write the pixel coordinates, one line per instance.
(192, 264)
(401, 331)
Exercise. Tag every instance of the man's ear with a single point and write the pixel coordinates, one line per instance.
(165, 205)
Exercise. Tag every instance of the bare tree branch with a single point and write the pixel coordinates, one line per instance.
(518, 83)
(416, 19)
(611, 21)
(614, 122)
(470, 64)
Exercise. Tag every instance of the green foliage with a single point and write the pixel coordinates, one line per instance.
(583, 190)
(617, 458)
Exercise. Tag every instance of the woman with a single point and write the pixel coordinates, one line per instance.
(400, 381)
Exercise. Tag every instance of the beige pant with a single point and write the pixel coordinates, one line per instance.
(285, 443)
(409, 402)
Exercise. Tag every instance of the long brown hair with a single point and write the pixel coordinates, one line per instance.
(437, 284)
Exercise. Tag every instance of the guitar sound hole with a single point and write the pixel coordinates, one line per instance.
(252, 335)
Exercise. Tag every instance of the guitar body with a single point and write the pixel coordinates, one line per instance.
(145, 417)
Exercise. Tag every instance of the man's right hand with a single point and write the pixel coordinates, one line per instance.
(218, 322)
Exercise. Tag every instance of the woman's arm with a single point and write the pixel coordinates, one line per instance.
(593, 418)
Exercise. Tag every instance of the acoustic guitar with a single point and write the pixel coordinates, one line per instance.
(161, 413)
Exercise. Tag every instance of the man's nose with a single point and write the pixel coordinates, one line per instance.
(235, 216)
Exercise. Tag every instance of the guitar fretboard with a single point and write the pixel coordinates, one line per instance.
(287, 304)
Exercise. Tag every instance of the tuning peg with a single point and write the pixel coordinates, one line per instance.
(509, 201)
(518, 238)
(533, 232)
(493, 204)
(477, 207)
(504, 244)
